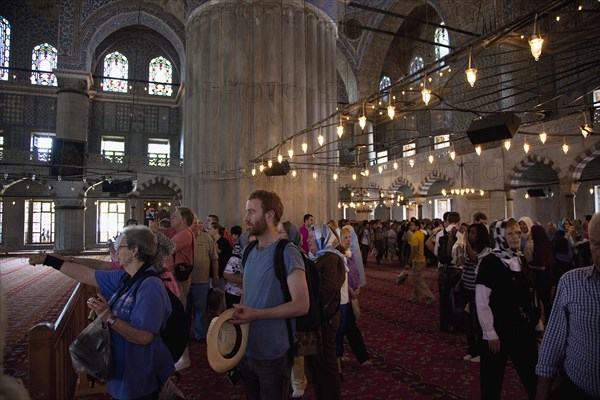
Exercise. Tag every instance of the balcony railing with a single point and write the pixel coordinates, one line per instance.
(158, 160)
(113, 156)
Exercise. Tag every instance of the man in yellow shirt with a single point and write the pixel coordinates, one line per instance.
(418, 261)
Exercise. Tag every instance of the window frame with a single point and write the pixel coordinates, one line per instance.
(159, 159)
(409, 148)
(115, 156)
(36, 154)
(104, 217)
(29, 221)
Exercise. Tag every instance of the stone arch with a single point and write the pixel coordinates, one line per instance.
(399, 182)
(430, 180)
(158, 180)
(39, 188)
(111, 19)
(581, 161)
(519, 169)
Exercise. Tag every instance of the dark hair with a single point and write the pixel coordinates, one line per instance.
(445, 216)
(187, 215)
(236, 230)
(453, 217)
(270, 202)
(307, 216)
(131, 221)
(483, 237)
(478, 216)
(213, 216)
(416, 222)
(144, 239)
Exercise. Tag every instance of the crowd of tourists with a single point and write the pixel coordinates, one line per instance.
(507, 286)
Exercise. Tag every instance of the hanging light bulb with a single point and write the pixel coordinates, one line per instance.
(452, 154)
(279, 158)
(294, 173)
(536, 42)
(507, 144)
(353, 177)
(526, 195)
(315, 175)
(254, 171)
(304, 146)
(380, 169)
(426, 94)
(320, 138)
(390, 108)
(395, 165)
(366, 171)
(261, 168)
(586, 129)
(471, 72)
(565, 146)
(430, 158)
(270, 163)
(335, 176)
(478, 150)
(526, 147)
(443, 192)
(411, 162)
(291, 152)
(362, 120)
(543, 136)
(591, 190)
(340, 128)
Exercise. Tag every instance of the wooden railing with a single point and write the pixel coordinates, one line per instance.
(51, 374)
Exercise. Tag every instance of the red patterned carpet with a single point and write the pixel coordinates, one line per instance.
(411, 358)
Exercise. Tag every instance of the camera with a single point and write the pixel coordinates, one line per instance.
(151, 215)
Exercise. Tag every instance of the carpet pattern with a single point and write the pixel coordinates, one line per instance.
(411, 358)
(33, 294)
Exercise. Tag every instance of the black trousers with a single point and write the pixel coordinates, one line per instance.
(522, 349)
(350, 330)
(323, 368)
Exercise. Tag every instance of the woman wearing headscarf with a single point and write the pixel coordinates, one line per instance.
(564, 249)
(541, 264)
(507, 312)
(323, 368)
(526, 246)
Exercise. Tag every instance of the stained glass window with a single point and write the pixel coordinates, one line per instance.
(4, 48)
(384, 83)
(416, 64)
(43, 60)
(441, 37)
(160, 72)
(116, 71)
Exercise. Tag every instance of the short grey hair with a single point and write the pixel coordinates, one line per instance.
(143, 238)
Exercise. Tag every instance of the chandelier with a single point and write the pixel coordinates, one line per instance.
(462, 190)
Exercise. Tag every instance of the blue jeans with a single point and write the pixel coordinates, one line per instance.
(266, 379)
(197, 305)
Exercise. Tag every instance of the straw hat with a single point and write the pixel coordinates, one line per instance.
(226, 342)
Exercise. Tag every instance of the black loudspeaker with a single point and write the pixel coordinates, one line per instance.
(117, 187)
(67, 157)
(345, 194)
(539, 192)
(278, 169)
(494, 127)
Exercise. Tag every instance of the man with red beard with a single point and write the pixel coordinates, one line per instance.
(266, 366)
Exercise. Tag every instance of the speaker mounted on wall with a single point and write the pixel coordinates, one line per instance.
(494, 127)
(278, 169)
(115, 188)
(540, 192)
(67, 158)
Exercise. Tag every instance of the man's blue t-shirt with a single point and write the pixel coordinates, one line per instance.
(267, 338)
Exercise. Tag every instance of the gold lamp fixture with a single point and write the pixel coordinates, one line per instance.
(340, 128)
(543, 134)
(320, 138)
(362, 120)
(426, 93)
(471, 72)
(536, 41)
(390, 108)
(585, 128)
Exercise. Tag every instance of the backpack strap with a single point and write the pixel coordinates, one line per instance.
(247, 251)
(279, 267)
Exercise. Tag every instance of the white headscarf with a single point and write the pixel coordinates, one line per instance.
(508, 256)
(326, 241)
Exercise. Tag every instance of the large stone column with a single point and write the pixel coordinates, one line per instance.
(257, 72)
(72, 124)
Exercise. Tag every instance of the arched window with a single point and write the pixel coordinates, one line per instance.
(385, 83)
(116, 71)
(4, 48)
(415, 65)
(160, 72)
(441, 38)
(43, 61)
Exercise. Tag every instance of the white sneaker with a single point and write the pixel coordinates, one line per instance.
(475, 359)
(298, 393)
(467, 357)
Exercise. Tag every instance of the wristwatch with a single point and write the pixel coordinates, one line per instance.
(111, 320)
